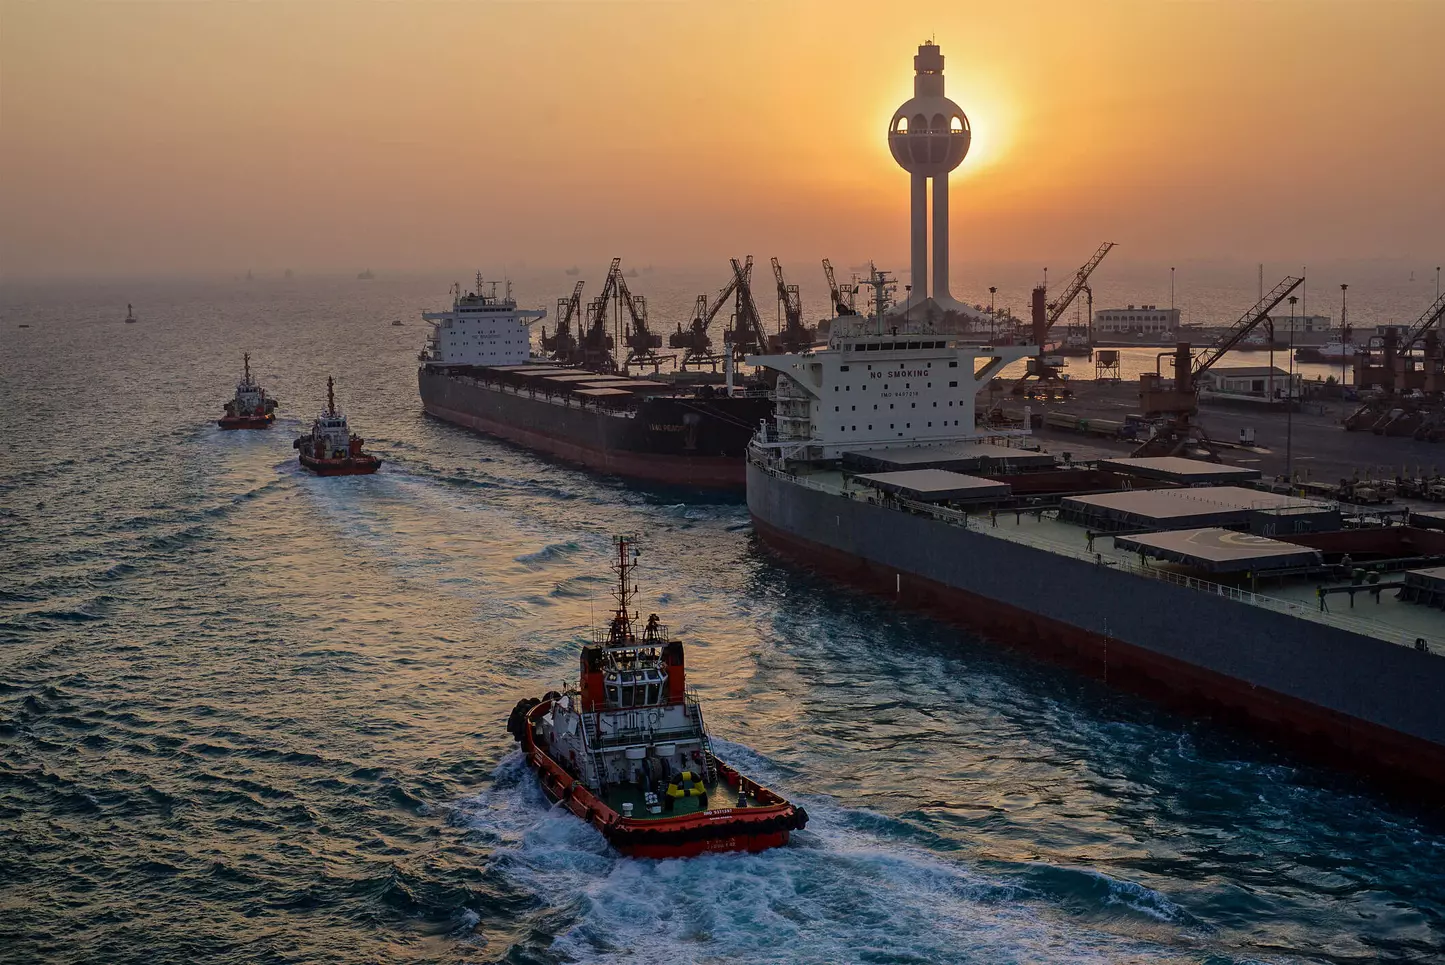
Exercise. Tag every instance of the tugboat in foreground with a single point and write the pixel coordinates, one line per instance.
(627, 751)
(250, 409)
(331, 448)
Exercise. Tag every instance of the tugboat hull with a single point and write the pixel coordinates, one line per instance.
(247, 421)
(751, 829)
(358, 466)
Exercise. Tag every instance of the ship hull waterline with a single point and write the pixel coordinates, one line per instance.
(246, 422)
(341, 467)
(752, 829)
(1398, 761)
(698, 472)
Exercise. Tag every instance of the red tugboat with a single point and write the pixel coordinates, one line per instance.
(250, 409)
(331, 448)
(627, 752)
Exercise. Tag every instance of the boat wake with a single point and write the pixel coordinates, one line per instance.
(838, 893)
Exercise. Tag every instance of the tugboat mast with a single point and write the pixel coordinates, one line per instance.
(330, 396)
(246, 366)
(620, 632)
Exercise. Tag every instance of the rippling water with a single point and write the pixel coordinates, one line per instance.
(247, 715)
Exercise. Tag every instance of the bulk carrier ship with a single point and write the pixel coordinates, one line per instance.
(1172, 577)
(477, 370)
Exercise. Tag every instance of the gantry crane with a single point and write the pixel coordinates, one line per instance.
(562, 345)
(1046, 313)
(793, 335)
(746, 333)
(1179, 402)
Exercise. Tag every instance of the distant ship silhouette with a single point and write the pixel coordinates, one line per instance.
(366, 275)
(574, 270)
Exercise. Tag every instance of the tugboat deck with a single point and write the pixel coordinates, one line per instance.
(720, 796)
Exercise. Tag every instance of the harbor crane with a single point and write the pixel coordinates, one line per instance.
(746, 334)
(1046, 313)
(1391, 363)
(595, 352)
(1178, 403)
(695, 341)
(839, 308)
(642, 344)
(793, 335)
(562, 344)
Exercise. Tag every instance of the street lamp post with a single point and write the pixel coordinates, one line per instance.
(1344, 339)
(1171, 289)
(992, 318)
(1289, 401)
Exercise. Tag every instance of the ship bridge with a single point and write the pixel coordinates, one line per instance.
(880, 388)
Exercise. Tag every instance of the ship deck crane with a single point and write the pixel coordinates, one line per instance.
(1179, 402)
(793, 335)
(562, 344)
(746, 334)
(1046, 313)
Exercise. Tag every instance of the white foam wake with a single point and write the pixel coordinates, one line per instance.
(835, 895)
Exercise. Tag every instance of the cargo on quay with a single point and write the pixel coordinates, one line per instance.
(1315, 623)
(477, 370)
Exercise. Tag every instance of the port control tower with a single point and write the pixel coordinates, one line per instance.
(929, 137)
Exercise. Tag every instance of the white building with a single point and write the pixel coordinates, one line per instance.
(1259, 382)
(1150, 319)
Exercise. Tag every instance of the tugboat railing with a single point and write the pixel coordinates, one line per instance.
(694, 711)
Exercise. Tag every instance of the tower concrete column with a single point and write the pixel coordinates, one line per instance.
(940, 237)
(919, 234)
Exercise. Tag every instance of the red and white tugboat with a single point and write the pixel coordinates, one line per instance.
(250, 409)
(331, 448)
(627, 752)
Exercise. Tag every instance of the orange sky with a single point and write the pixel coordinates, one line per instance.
(209, 136)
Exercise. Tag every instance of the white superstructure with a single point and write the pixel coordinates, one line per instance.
(879, 385)
(481, 329)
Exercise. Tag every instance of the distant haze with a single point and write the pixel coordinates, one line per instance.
(205, 137)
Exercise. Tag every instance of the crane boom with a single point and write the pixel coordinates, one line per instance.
(1424, 323)
(636, 307)
(832, 284)
(788, 296)
(573, 309)
(600, 303)
(746, 335)
(1246, 324)
(1076, 285)
(720, 300)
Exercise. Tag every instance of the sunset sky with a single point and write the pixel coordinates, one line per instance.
(208, 136)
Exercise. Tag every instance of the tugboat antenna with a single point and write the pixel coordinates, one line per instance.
(246, 365)
(330, 396)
